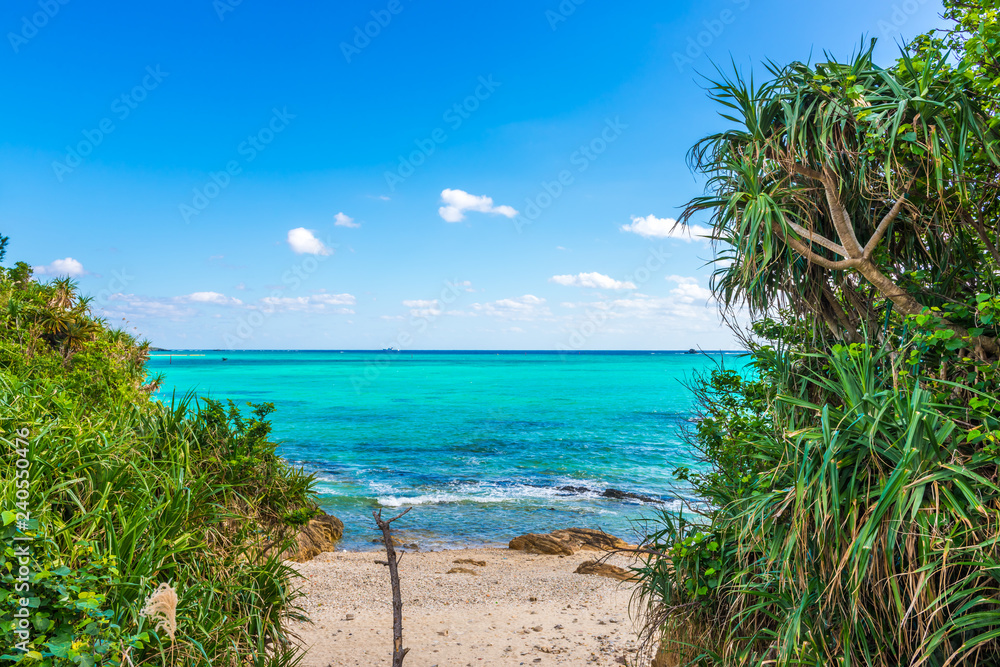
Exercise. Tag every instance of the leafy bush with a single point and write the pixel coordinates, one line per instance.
(126, 493)
(849, 482)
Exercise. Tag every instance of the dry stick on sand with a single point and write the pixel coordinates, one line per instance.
(398, 652)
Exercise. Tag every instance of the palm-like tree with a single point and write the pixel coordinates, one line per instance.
(838, 181)
(54, 321)
(63, 293)
(77, 332)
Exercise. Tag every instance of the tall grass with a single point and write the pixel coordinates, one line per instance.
(862, 531)
(127, 494)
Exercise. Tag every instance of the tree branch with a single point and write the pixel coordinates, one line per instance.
(398, 652)
(886, 221)
(841, 221)
(977, 224)
(812, 257)
(838, 214)
(817, 239)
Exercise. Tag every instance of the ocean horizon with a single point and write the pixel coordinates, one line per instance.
(484, 444)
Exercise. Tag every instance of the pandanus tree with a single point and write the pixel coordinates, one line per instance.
(850, 504)
(845, 189)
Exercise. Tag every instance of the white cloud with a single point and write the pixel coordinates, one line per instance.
(62, 267)
(466, 285)
(130, 305)
(663, 228)
(594, 279)
(527, 307)
(457, 202)
(423, 307)
(344, 220)
(334, 299)
(642, 306)
(175, 308)
(688, 291)
(304, 242)
(687, 302)
(209, 297)
(314, 303)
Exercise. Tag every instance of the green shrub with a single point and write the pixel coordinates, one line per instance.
(126, 493)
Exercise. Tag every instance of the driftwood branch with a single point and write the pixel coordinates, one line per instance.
(398, 652)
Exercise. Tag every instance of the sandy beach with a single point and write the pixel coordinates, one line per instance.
(507, 608)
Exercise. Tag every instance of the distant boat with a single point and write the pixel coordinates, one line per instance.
(389, 349)
(225, 358)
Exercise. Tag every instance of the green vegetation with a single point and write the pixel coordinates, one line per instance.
(852, 502)
(125, 493)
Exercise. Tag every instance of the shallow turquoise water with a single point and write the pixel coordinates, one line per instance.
(479, 444)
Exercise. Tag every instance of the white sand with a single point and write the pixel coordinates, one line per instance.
(461, 619)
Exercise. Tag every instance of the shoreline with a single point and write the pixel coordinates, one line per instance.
(497, 606)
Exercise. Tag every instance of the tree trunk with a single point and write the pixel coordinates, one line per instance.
(398, 652)
(907, 305)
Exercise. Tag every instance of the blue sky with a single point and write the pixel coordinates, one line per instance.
(503, 174)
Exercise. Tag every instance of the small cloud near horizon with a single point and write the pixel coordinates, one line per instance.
(688, 290)
(209, 297)
(593, 280)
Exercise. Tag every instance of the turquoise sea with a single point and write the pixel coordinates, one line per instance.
(484, 446)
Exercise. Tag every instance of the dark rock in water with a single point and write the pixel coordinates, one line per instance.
(614, 494)
(617, 494)
(574, 489)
